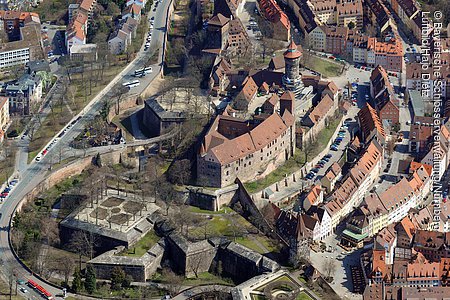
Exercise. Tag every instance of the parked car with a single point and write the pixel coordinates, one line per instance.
(334, 148)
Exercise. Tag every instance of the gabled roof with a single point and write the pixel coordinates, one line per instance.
(397, 195)
(321, 109)
(227, 150)
(407, 226)
(218, 20)
(370, 121)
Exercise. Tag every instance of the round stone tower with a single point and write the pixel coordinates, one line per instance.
(292, 79)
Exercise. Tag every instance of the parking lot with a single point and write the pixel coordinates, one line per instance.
(337, 150)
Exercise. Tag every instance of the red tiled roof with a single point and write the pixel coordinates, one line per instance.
(369, 120)
(228, 150)
(321, 109)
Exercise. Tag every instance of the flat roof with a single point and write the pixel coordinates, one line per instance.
(417, 103)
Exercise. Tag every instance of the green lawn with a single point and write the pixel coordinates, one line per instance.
(251, 244)
(141, 247)
(326, 67)
(324, 137)
(52, 194)
(206, 277)
(223, 210)
(7, 165)
(303, 296)
(290, 166)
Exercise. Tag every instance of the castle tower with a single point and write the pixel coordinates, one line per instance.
(292, 80)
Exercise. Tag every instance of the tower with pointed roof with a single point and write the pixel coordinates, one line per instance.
(292, 80)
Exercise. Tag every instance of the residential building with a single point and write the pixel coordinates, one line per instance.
(356, 183)
(238, 39)
(27, 48)
(12, 20)
(118, 42)
(23, 93)
(4, 116)
(132, 11)
(77, 30)
(378, 14)
(312, 198)
(277, 18)
(398, 200)
(317, 38)
(247, 94)
(79, 17)
(350, 12)
(325, 11)
(331, 177)
(420, 137)
(370, 125)
(388, 54)
(336, 39)
(356, 228)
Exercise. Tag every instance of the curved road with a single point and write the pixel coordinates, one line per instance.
(36, 171)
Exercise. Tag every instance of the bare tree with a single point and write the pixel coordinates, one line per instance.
(65, 266)
(49, 231)
(17, 237)
(194, 264)
(329, 267)
(390, 146)
(84, 244)
(174, 281)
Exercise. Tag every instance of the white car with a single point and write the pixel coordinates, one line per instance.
(38, 158)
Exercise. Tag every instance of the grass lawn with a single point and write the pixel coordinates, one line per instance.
(324, 137)
(7, 165)
(290, 166)
(54, 122)
(144, 244)
(61, 115)
(223, 210)
(50, 196)
(4, 290)
(326, 67)
(303, 296)
(249, 243)
(206, 277)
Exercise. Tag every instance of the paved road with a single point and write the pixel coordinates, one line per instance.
(35, 171)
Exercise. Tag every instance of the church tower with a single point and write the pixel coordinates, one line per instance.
(292, 80)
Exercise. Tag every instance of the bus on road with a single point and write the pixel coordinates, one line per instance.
(131, 84)
(143, 72)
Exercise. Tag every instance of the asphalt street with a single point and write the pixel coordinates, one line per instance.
(30, 175)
